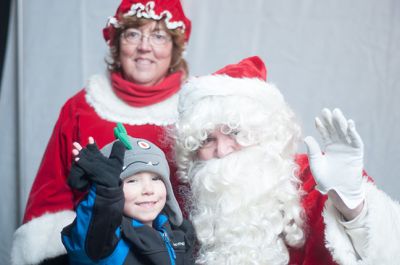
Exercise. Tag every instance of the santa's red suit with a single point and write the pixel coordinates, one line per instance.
(93, 111)
(314, 250)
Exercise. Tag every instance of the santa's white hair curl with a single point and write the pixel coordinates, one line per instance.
(246, 206)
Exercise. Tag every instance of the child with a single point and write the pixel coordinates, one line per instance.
(130, 215)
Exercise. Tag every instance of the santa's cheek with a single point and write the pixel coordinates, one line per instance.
(205, 154)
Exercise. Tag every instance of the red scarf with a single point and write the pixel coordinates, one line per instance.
(140, 96)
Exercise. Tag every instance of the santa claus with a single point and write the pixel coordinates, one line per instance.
(253, 200)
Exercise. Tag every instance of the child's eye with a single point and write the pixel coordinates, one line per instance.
(131, 181)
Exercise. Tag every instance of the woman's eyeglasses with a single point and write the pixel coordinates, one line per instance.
(156, 38)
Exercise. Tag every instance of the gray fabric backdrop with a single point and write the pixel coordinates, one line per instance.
(332, 53)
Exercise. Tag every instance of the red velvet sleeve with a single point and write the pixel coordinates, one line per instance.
(50, 192)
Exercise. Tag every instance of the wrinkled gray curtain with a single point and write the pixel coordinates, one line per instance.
(332, 53)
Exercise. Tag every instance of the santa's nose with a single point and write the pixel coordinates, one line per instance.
(226, 146)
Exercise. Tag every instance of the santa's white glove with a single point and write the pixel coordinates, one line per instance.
(340, 167)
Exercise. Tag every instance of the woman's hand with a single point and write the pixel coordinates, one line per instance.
(78, 147)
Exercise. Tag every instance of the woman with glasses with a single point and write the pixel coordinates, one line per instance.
(146, 69)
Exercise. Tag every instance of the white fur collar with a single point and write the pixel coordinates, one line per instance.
(107, 105)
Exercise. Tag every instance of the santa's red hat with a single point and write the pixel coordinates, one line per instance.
(251, 67)
(169, 10)
(245, 79)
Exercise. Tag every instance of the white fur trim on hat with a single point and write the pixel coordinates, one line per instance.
(40, 238)
(100, 96)
(197, 88)
(147, 11)
(382, 221)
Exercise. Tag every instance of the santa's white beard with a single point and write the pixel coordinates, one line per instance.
(245, 208)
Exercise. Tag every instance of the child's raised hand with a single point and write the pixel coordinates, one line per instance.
(77, 178)
(98, 168)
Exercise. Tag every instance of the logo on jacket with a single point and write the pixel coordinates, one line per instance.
(179, 244)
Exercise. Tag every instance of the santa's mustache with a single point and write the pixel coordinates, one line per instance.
(250, 173)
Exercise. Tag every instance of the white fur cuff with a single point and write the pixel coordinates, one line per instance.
(382, 222)
(40, 238)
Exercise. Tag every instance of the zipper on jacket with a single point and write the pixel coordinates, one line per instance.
(170, 249)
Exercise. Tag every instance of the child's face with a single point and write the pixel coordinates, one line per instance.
(145, 196)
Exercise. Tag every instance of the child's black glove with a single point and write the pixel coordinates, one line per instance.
(77, 178)
(94, 167)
